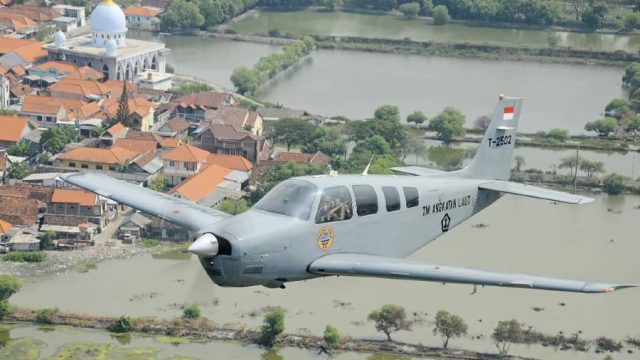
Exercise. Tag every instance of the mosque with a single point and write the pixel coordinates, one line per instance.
(107, 49)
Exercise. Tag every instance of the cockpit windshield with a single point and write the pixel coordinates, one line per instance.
(290, 198)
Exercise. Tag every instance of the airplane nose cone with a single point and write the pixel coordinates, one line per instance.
(205, 245)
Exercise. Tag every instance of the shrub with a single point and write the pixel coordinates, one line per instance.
(272, 326)
(390, 318)
(45, 316)
(26, 256)
(613, 184)
(441, 15)
(122, 325)
(331, 336)
(191, 312)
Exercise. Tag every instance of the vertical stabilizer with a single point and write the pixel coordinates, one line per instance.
(495, 154)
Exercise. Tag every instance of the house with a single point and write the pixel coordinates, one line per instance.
(13, 129)
(18, 23)
(65, 23)
(35, 13)
(140, 112)
(175, 128)
(87, 73)
(182, 163)
(48, 73)
(234, 162)
(87, 90)
(196, 187)
(136, 225)
(5, 91)
(24, 240)
(111, 159)
(21, 211)
(8, 44)
(5, 227)
(150, 79)
(226, 139)
(319, 159)
(165, 230)
(46, 179)
(48, 111)
(194, 107)
(239, 118)
(76, 12)
(79, 204)
(24, 57)
(109, 136)
(141, 16)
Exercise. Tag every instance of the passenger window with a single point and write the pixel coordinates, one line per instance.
(411, 195)
(335, 205)
(366, 200)
(391, 197)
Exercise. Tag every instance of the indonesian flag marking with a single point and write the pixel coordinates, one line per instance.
(508, 113)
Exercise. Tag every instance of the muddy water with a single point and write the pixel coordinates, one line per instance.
(595, 241)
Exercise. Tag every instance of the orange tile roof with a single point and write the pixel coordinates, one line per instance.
(80, 197)
(171, 143)
(11, 128)
(235, 162)
(31, 52)
(2, 70)
(60, 67)
(88, 111)
(113, 156)
(18, 70)
(201, 184)
(140, 11)
(115, 129)
(138, 105)
(79, 87)
(18, 22)
(138, 146)
(4, 226)
(40, 104)
(7, 44)
(86, 73)
(116, 87)
(186, 153)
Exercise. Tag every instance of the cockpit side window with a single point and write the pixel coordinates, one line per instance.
(335, 205)
(391, 197)
(411, 195)
(291, 198)
(366, 200)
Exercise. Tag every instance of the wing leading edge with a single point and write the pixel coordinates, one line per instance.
(514, 188)
(178, 211)
(379, 266)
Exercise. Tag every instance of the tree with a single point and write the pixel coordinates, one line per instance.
(416, 117)
(595, 15)
(633, 126)
(410, 10)
(446, 157)
(631, 21)
(553, 39)
(17, 170)
(191, 87)
(124, 324)
(413, 146)
(244, 79)
(572, 163)
(272, 326)
(327, 140)
(191, 312)
(122, 116)
(617, 108)
(591, 167)
(507, 333)
(441, 15)
(390, 318)
(290, 131)
(159, 184)
(233, 206)
(449, 326)
(389, 113)
(603, 127)
(46, 240)
(181, 14)
(9, 285)
(520, 162)
(18, 149)
(613, 184)
(482, 122)
(447, 124)
(331, 336)
(329, 5)
(53, 140)
(560, 135)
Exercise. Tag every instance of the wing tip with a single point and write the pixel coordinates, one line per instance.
(607, 288)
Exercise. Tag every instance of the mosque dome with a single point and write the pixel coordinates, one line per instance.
(59, 38)
(110, 47)
(108, 17)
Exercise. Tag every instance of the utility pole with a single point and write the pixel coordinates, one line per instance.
(575, 176)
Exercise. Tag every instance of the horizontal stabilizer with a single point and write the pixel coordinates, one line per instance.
(178, 211)
(416, 170)
(393, 268)
(534, 192)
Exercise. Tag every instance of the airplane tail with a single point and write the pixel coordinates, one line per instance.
(493, 159)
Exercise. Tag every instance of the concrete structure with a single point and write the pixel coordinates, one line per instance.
(78, 203)
(66, 23)
(76, 12)
(5, 92)
(150, 79)
(107, 49)
(142, 16)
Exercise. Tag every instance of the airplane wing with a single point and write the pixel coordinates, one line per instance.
(394, 268)
(515, 188)
(178, 211)
(417, 170)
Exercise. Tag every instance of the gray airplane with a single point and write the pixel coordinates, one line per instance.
(353, 225)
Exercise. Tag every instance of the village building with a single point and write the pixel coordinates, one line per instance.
(111, 159)
(234, 162)
(13, 129)
(142, 16)
(21, 54)
(19, 207)
(182, 163)
(17, 25)
(107, 49)
(24, 239)
(141, 112)
(79, 204)
(175, 128)
(211, 185)
(87, 90)
(47, 111)
(239, 118)
(227, 139)
(155, 80)
(109, 136)
(136, 226)
(195, 106)
(5, 92)
(39, 14)
(77, 13)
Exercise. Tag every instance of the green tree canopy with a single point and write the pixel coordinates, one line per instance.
(181, 14)
(244, 79)
(18, 149)
(272, 326)
(410, 10)
(617, 108)
(613, 184)
(327, 140)
(447, 124)
(520, 162)
(9, 285)
(331, 336)
(390, 318)
(17, 170)
(290, 131)
(572, 163)
(591, 167)
(603, 127)
(507, 333)
(560, 135)
(441, 15)
(595, 15)
(233, 206)
(416, 117)
(54, 139)
(449, 326)
(389, 113)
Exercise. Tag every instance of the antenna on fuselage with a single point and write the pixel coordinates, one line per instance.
(366, 170)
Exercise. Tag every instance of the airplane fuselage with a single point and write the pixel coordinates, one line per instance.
(270, 248)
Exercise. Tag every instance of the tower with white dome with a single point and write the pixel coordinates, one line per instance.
(108, 22)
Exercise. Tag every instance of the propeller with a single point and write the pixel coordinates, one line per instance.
(205, 245)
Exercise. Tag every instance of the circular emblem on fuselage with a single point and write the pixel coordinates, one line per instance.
(325, 238)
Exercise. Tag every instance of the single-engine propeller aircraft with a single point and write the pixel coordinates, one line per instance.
(353, 225)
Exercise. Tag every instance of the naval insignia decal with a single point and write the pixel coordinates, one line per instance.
(325, 238)
(446, 220)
